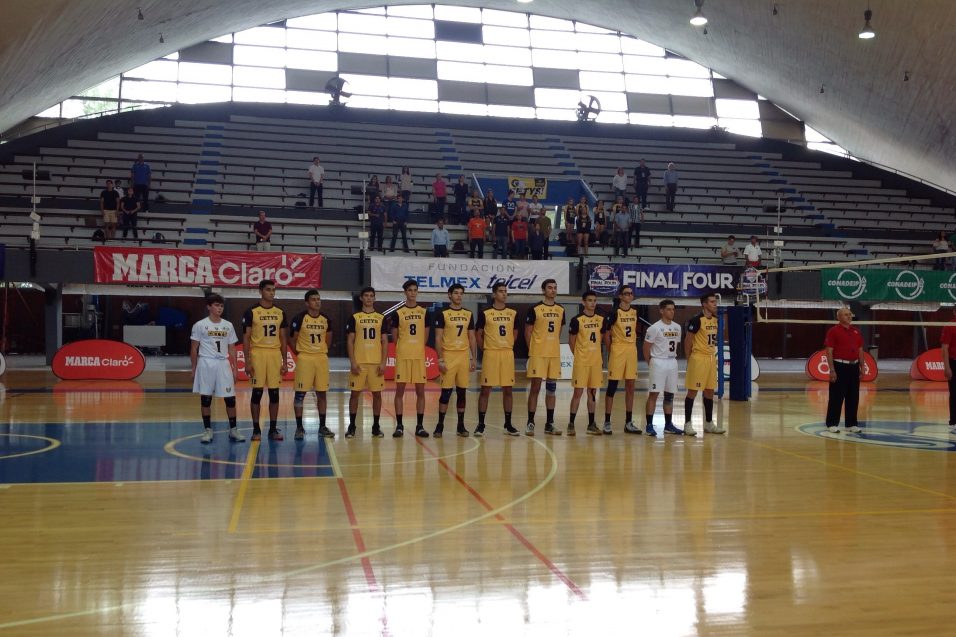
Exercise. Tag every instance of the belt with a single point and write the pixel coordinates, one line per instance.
(839, 360)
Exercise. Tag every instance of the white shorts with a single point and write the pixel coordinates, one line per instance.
(214, 378)
(663, 375)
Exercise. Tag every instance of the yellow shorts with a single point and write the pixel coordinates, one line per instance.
(410, 370)
(544, 367)
(312, 372)
(498, 368)
(457, 364)
(266, 364)
(701, 372)
(622, 364)
(109, 216)
(587, 376)
(367, 378)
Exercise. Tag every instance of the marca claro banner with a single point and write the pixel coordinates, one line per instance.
(662, 280)
(159, 266)
(476, 275)
(98, 359)
(818, 367)
(887, 284)
(528, 186)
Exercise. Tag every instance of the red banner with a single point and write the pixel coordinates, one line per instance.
(98, 359)
(929, 366)
(818, 367)
(431, 364)
(160, 266)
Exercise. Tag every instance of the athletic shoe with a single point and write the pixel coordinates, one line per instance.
(275, 434)
(325, 432)
(550, 430)
(854, 430)
(713, 428)
(511, 431)
(479, 431)
(421, 433)
(607, 429)
(529, 429)
(689, 429)
(571, 431)
(256, 434)
(299, 433)
(235, 436)
(593, 430)
(629, 428)
(206, 436)
(399, 432)
(377, 432)
(671, 429)
(833, 430)
(462, 432)
(350, 432)
(439, 431)
(650, 430)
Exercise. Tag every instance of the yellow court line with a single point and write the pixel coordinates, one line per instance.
(54, 443)
(244, 485)
(336, 468)
(62, 616)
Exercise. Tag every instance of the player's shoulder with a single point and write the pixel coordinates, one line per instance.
(299, 318)
(694, 321)
(326, 317)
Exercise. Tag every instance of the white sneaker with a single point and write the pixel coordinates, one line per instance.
(854, 430)
(235, 436)
(833, 430)
(689, 429)
(712, 428)
(629, 428)
(206, 436)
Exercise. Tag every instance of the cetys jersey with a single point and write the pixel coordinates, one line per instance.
(589, 331)
(704, 330)
(455, 324)
(410, 323)
(623, 327)
(546, 321)
(265, 322)
(367, 327)
(497, 328)
(310, 333)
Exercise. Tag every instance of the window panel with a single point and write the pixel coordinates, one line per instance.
(512, 75)
(263, 36)
(552, 59)
(139, 106)
(612, 117)
(411, 28)
(690, 121)
(462, 108)
(553, 24)
(366, 84)
(600, 62)
(361, 23)
(148, 91)
(420, 106)
(651, 119)
(556, 98)
(461, 71)
(307, 97)
(645, 65)
(258, 77)
(580, 27)
(172, 56)
(687, 86)
(460, 51)
(372, 10)
(244, 94)
(565, 114)
(357, 43)
(552, 40)
(81, 108)
(203, 93)
(598, 43)
(53, 111)
(748, 127)
(505, 36)
(458, 14)
(368, 101)
(812, 135)
(320, 21)
(592, 80)
(520, 112)
(510, 55)
(411, 48)
(157, 70)
(312, 60)
(739, 109)
(647, 84)
(313, 40)
(686, 68)
(609, 101)
(419, 89)
(640, 47)
(504, 18)
(109, 88)
(206, 73)
(833, 149)
(412, 11)
(225, 39)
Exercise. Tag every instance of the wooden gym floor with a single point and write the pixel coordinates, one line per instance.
(117, 521)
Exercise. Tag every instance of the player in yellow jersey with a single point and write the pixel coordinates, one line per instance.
(367, 345)
(495, 332)
(409, 330)
(621, 340)
(310, 336)
(264, 344)
(457, 354)
(700, 346)
(585, 336)
(542, 333)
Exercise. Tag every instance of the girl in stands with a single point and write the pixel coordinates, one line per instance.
(405, 184)
(600, 222)
(570, 220)
(372, 189)
(583, 228)
(389, 194)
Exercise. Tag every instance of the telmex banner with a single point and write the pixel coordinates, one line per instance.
(662, 280)
(158, 266)
(886, 284)
(476, 275)
(527, 186)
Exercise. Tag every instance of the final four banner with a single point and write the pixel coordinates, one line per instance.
(887, 284)
(662, 280)
(476, 275)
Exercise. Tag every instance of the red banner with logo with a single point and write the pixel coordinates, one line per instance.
(929, 366)
(818, 367)
(431, 364)
(98, 359)
(161, 266)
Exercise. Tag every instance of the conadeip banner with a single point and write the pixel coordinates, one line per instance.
(528, 186)
(158, 266)
(887, 284)
(662, 280)
(476, 275)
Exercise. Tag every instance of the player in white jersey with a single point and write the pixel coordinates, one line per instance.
(661, 342)
(213, 358)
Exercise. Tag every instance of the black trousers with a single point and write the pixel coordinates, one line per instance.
(844, 390)
(313, 189)
(127, 223)
(952, 394)
(141, 192)
(476, 247)
(670, 197)
(399, 226)
(641, 190)
(377, 231)
(620, 242)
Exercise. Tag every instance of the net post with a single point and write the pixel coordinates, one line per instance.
(721, 313)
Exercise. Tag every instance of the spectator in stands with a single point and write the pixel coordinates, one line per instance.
(129, 206)
(534, 209)
(622, 229)
(461, 200)
(372, 189)
(752, 253)
(519, 234)
(376, 222)
(570, 220)
(502, 231)
(491, 207)
(642, 177)
(405, 184)
(523, 205)
(316, 175)
(536, 242)
(439, 196)
(544, 225)
(510, 205)
(637, 218)
(940, 246)
(582, 228)
(477, 230)
(729, 252)
(109, 207)
(398, 216)
(141, 176)
(671, 178)
(619, 184)
(440, 239)
(475, 203)
(262, 230)
(600, 223)
(389, 194)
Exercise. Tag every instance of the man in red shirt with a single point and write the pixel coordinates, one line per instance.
(845, 354)
(519, 235)
(477, 228)
(947, 341)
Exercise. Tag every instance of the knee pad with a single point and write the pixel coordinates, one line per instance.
(299, 398)
(550, 388)
(274, 395)
(460, 397)
(230, 402)
(256, 396)
(445, 396)
(668, 398)
(611, 388)
(205, 401)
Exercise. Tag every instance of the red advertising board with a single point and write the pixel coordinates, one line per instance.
(818, 367)
(98, 359)
(929, 366)
(162, 266)
(290, 361)
(431, 363)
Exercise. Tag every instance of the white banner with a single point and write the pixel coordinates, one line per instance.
(477, 275)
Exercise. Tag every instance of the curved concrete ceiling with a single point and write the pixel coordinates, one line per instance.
(51, 49)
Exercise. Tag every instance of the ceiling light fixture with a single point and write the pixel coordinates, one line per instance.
(139, 14)
(867, 33)
(525, 1)
(699, 19)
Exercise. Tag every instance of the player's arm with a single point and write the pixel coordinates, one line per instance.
(194, 357)
(440, 340)
(647, 351)
(350, 344)
(294, 327)
(472, 344)
(573, 333)
(947, 370)
(329, 334)
(606, 331)
(284, 344)
(247, 341)
(688, 344)
(233, 361)
(831, 364)
(384, 339)
(480, 331)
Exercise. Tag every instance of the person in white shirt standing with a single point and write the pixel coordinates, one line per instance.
(661, 342)
(214, 371)
(316, 175)
(619, 184)
(752, 253)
